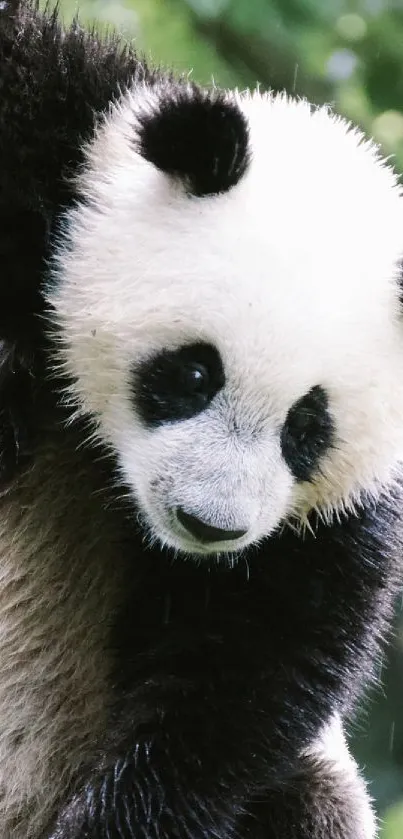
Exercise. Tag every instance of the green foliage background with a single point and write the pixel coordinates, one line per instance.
(349, 53)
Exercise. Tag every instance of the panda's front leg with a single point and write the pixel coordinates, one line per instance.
(318, 803)
(156, 791)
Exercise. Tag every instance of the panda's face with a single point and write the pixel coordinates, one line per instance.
(220, 453)
(241, 352)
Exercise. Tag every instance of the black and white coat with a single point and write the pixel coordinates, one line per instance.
(201, 403)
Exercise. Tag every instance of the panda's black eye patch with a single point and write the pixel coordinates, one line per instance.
(176, 385)
(307, 433)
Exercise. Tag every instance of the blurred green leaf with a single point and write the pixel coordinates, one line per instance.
(393, 823)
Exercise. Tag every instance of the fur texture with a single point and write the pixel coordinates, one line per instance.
(201, 408)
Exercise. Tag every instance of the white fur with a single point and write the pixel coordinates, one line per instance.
(291, 274)
(332, 748)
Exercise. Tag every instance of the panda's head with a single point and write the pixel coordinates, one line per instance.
(227, 297)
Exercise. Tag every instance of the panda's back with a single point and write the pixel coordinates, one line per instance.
(60, 564)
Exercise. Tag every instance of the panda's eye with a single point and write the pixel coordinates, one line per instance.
(307, 433)
(177, 385)
(195, 378)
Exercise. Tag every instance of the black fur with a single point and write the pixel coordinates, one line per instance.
(200, 137)
(222, 675)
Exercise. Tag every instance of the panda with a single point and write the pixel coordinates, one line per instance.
(201, 436)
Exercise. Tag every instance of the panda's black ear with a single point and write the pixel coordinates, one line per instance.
(200, 137)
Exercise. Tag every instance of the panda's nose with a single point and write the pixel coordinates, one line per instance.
(204, 532)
